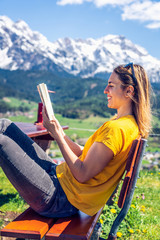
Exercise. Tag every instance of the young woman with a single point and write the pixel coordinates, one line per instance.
(89, 175)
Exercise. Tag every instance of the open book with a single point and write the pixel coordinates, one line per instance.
(45, 98)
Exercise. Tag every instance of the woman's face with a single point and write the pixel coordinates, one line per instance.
(116, 96)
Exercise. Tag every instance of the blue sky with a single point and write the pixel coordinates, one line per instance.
(137, 20)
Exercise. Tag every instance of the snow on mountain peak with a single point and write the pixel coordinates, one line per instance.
(22, 48)
(21, 24)
(4, 20)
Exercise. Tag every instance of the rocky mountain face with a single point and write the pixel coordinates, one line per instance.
(22, 48)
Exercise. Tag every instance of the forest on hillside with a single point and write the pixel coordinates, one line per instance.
(74, 98)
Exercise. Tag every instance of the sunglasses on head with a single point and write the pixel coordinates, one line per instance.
(133, 73)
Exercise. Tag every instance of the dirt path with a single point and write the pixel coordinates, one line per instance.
(7, 217)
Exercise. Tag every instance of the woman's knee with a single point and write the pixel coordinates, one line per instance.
(4, 123)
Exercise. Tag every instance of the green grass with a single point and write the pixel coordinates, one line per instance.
(142, 220)
(9, 197)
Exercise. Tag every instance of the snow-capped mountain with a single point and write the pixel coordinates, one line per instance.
(22, 48)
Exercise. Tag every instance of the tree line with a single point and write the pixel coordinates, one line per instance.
(74, 97)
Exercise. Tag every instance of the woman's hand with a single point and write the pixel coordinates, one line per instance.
(53, 126)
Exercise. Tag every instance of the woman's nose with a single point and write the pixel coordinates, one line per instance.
(106, 90)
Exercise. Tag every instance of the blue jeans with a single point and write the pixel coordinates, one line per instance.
(32, 172)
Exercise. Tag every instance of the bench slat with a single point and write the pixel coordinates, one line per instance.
(28, 225)
(79, 226)
(132, 157)
(33, 130)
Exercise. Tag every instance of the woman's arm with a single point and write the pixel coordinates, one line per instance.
(76, 148)
(97, 157)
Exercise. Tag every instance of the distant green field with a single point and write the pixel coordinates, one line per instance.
(15, 102)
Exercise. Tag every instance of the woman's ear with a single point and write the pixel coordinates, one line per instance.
(129, 91)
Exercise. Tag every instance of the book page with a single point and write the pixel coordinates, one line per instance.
(45, 98)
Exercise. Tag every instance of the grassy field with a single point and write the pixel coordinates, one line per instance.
(142, 221)
(14, 102)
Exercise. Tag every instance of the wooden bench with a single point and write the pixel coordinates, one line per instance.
(31, 225)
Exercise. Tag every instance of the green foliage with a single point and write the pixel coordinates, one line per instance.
(85, 107)
(142, 220)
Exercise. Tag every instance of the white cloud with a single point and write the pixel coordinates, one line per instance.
(140, 10)
(145, 11)
(101, 3)
(65, 2)
(98, 3)
(153, 25)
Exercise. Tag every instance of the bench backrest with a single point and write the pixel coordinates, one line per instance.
(127, 190)
(133, 157)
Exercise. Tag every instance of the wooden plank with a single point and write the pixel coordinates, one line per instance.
(28, 225)
(132, 157)
(38, 133)
(34, 130)
(79, 226)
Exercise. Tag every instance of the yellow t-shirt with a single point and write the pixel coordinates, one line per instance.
(90, 196)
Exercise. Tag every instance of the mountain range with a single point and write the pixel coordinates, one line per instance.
(24, 49)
